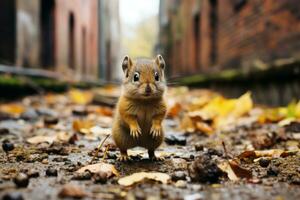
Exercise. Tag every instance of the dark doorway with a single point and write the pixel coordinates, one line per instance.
(71, 41)
(214, 30)
(47, 14)
(83, 49)
(7, 31)
(108, 60)
(197, 40)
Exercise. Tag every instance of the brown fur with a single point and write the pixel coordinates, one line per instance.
(139, 115)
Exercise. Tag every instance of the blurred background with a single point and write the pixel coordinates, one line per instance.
(231, 46)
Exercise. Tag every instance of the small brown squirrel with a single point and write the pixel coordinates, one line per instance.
(141, 107)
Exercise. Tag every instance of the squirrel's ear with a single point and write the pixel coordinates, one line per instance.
(160, 61)
(126, 64)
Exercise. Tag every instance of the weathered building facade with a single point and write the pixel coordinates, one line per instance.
(212, 35)
(57, 35)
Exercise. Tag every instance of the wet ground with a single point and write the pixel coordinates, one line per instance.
(42, 168)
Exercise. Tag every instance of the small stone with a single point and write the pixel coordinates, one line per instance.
(181, 184)
(81, 111)
(111, 155)
(51, 172)
(178, 175)
(45, 161)
(179, 164)
(21, 180)
(273, 171)
(175, 139)
(50, 120)
(263, 162)
(212, 152)
(29, 114)
(70, 190)
(4, 131)
(7, 146)
(83, 176)
(199, 147)
(13, 196)
(205, 170)
(100, 177)
(32, 173)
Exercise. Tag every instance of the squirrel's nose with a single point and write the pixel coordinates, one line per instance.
(148, 89)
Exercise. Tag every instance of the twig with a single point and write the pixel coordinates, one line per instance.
(225, 150)
(105, 153)
(99, 147)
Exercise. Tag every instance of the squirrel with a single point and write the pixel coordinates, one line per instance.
(141, 107)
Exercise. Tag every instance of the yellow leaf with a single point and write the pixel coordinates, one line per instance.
(13, 109)
(80, 97)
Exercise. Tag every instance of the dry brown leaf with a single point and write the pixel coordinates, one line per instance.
(204, 127)
(109, 169)
(140, 176)
(82, 126)
(234, 170)
(74, 191)
(174, 109)
(275, 153)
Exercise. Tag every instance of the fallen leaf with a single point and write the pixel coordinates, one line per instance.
(234, 170)
(70, 190)
(40, 139)
(173, 109)
(204, 127)
(82, 126)
(80, 97)
(109, 169)
(13, 109)
(140, 176)
(275, 153)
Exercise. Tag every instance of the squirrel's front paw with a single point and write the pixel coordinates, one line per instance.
(135, 132)
(156, 130)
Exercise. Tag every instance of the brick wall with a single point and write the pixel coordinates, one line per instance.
(77, 20)
(211, 35)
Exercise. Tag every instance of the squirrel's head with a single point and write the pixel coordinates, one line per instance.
(144, 78)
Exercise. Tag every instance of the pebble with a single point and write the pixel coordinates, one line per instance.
(45, 161)
(178, 175)
(4, 131)
(205, 170)
(263, 162)
(199, 147)
(50, 120)
(83, 176)
(81, 111)
(51, 172)
(100, 177)
(175, 140)
(13, 196)
(7, 146)
(273, 171)
(32, 173)
(179, 164)
(29, 114)
(181, 184)
(21, 180)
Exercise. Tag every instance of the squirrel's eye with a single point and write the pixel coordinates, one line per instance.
(156, 76)
(136, 77)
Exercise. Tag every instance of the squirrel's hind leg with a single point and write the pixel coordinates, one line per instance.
(153, 157)
(124, 156)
